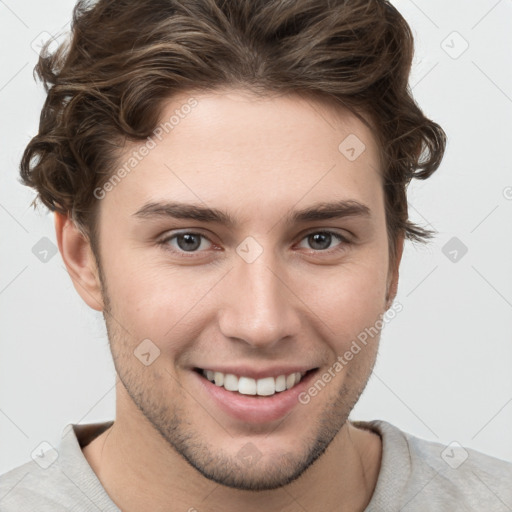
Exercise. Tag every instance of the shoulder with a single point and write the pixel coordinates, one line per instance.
(430, 475)
(57, 479)
(459, 464)
(473, 479)
(30, 487)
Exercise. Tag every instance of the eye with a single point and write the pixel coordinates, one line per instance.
(321, 240)
(192, 243)
(185, 242)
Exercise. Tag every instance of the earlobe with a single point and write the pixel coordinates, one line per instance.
(78, 257)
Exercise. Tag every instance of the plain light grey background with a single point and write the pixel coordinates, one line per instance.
(444, 370)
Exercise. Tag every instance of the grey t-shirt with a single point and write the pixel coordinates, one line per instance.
(415, 475)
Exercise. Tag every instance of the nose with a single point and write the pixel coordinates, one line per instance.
(259, 306)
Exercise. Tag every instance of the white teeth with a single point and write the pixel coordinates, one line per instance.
(249, 386)
(230, 382)
(281, 383)
(266, 386)
(219, 378)
(246, 386)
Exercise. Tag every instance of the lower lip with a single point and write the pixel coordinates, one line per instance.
(254, 408)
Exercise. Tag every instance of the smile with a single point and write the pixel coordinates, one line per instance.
(266, 386)
(252, 395)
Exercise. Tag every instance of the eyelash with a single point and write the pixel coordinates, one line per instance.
(191, 254)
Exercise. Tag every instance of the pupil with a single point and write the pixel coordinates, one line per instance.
(192, 242)
(321, 238)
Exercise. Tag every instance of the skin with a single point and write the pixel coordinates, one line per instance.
(171, 447)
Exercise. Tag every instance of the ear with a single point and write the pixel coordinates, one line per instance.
(79, 259)
(393, 273)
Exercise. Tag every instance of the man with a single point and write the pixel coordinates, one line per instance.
(229, 186)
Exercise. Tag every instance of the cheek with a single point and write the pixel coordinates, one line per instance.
(154, 301)
(347, 301)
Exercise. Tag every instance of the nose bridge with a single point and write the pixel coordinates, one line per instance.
(258, 307)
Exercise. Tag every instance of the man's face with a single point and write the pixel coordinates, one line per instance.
(263, 296)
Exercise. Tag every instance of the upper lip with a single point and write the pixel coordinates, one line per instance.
(257, 373)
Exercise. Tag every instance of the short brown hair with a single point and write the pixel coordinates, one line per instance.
(125, 57)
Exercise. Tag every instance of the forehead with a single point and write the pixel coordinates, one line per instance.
(253, 152)
(239, 119)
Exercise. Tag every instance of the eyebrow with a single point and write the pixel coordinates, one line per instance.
(319, 211)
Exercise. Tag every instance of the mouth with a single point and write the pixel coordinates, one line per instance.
(263, 387)
(254, 400)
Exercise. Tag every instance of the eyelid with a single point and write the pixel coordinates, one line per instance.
(165, 239)
(344, 240)
(346, 237)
